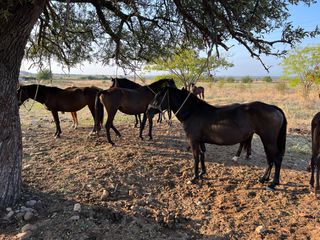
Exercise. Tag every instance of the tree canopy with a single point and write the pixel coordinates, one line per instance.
(187, 66)
(303, 66)
(72, 31)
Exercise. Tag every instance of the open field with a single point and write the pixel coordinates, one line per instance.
(138, 189)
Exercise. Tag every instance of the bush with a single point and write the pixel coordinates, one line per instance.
(45, 74)
(267, 79)
(230, 80)
(246, 79)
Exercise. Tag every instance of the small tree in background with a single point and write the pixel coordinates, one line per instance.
(302, 66)
(44, 74)
(187, 66)
(246, 79)
(267, 79)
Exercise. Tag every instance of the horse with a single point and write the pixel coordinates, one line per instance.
(226, 125)
(64, 100)
(197, 90)
(130, 101)
(126, 83)
(315, 159)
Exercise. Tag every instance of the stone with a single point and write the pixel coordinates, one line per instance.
(260, 229)
(77, 207)
(75, 218)
(105, 195)
(9, 215)
(31, 203)
(28, 227)
(8, 209)
(28, 216)
(24, 235)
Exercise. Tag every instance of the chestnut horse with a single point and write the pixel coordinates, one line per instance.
(227, 125)
(197, 90)
(64, 100)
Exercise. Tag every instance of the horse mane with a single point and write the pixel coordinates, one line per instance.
(165, 82)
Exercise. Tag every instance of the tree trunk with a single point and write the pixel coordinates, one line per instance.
(15, 29)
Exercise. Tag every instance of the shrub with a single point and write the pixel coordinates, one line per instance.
(246, 79)
(267, 79)
(230, 80)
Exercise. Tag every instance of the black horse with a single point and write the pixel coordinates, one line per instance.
(126, 83)
(63, 100)
(315, 159)
(228, 125)
(130, 101)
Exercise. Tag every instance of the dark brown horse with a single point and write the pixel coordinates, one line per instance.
(315, 159)
(130, 101)
(197, 90)
(226, 125)
(126, 83)
(63, 100)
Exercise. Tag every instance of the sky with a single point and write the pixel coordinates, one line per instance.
(306, 17)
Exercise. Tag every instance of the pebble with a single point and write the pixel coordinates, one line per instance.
(77, 207)
(9, 215)
(8, 209)
(28, 227)
(31, 203)
(74, 218)
(24, 235)
(260, 229)
(105, 195)
(28, 216)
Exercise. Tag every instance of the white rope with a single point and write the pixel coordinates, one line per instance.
(34, 99)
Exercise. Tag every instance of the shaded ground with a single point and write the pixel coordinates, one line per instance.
(138, 189)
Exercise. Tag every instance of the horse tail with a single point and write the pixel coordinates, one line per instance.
(281, 142)
(98, 111)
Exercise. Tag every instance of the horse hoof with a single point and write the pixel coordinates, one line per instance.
(202, 175)
(248, 157)
(270, 187)
(235, 159)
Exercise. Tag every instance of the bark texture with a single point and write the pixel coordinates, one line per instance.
(15, 29)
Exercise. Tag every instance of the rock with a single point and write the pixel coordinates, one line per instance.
(24, 235)
(28, 227)
(75, 218)
(31, 203)
(105, 195)
(8, 209)
(260, 229)
(77, 207)
(28, 216)
(9, 215)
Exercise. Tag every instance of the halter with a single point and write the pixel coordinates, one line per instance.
(34, 99)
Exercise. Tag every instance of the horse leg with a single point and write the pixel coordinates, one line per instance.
(57, 122)
(266, 175)
(76, 120)
(236, 157)
(248, 147)
(317, 187)
(143, 123)
(116, 130)
(202, 152)
(136, 123)
(196, 153)
(109, 125)
(276, 178)
(150, 127)
(312, 171)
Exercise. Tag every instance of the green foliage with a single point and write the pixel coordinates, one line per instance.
(230, 80)
(187, 66)
(44, 74)
(267, 79)
(302, 66)
(246, 79)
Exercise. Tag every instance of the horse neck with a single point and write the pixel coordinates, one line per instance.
(179, 105)
(35, 93)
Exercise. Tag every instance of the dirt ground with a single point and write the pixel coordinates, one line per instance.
(139, 189)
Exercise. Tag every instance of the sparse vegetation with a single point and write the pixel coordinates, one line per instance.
(267, 79)
(246, 79)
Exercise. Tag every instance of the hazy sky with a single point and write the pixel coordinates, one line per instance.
(301, 15)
